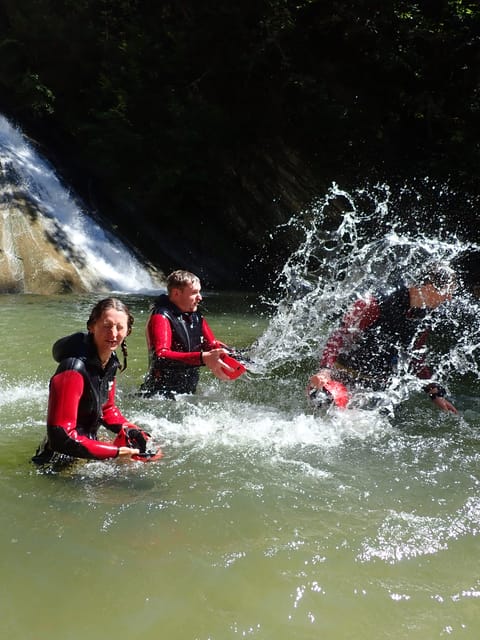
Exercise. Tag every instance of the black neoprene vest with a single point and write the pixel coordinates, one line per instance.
(77, 352)
(168, 376)
(376, 352)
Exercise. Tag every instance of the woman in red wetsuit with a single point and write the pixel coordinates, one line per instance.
(82, 391)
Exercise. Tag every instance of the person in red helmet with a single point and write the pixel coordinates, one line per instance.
(365, 349)
(82, 392)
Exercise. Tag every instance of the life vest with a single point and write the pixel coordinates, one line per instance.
(397, 328)
(77, 352)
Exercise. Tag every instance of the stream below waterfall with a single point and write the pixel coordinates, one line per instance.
(266, 519)
(263, 520)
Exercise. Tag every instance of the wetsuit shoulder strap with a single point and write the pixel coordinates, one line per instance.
(169, 311)
(75, 345)
(73, 364)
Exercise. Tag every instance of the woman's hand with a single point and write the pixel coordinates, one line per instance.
(127, 452)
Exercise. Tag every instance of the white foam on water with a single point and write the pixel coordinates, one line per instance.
(245, 426)
(404, 535)
(25, 392)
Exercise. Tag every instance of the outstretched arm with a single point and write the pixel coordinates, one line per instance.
(362, 314)
(212, 353)
(422, 370)
(66, 389)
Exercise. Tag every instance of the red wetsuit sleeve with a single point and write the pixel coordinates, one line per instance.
(66, 389)
(361, 316)
(159, 338)
(209, 340)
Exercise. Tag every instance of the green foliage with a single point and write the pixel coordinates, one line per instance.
(39, 97)
(172, 107)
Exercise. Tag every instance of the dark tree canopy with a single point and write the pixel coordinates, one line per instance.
(196, 127)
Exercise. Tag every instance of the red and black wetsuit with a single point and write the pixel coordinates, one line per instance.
(175, 342)
(81, 399)
(372, 336)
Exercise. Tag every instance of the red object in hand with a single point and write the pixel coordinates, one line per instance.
(338, 391)
(238, 368)
(148, 456)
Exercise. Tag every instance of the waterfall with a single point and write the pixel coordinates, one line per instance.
(48, 242)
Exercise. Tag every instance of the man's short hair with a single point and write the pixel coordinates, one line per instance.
(180, 279)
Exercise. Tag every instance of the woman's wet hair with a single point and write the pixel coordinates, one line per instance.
(112, 303)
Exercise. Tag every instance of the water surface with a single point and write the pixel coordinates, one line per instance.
(264, 520)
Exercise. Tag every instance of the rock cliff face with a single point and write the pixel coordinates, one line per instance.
(49, 243)
(30, 262)
(234, 250)
(241, 240)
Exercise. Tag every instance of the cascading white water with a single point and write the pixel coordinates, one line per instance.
(101, 260)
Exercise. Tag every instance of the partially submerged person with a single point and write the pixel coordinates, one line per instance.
(82, 392)
(180, 340)
(377, 331)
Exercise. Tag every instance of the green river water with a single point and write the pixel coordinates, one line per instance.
(262, 521)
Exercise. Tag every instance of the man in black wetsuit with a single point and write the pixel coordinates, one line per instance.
(179, 340)
(365, 348)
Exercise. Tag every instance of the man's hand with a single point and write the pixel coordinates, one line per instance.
(213, 360)
(318, 380)
(444, 405)
(437, 395)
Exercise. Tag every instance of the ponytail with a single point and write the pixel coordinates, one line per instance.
(125, 355)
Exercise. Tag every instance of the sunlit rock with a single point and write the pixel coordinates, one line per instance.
(29, 261)
(48, 243)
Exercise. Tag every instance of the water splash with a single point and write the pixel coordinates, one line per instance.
(101, 260)
(15, 393)
(356, 243)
